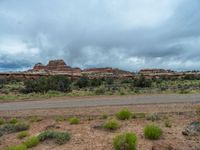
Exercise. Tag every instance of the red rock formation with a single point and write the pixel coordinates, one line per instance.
(38, 67)
(98, 70)
(58, 65)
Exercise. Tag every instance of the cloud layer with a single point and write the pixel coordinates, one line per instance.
(128, 34)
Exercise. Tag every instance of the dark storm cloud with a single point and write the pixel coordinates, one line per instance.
(129, 34)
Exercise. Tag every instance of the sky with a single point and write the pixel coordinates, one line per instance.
(125, 34)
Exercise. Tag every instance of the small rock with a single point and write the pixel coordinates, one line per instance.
(192, 130)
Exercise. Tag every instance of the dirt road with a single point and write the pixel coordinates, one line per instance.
(101, 101)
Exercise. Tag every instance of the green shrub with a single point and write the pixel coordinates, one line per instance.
(11, 128)
(168, 123)
(8, 128)
(153, 117)
(13, 121)
(124, 114)
(31, 142)
(2, 121)
(142, 82)
(111, 124)
(100, 91)
(126, 141)
(82, 82)
(95, 82)
(74, 120)
(44, 84)
(152, 132)
(21, 126)
(59, 137)
(22, 134)
(17, 147)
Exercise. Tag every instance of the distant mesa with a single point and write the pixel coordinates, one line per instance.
(153, 71)
(60, 67)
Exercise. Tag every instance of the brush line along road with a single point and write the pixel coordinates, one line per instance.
(100, 101)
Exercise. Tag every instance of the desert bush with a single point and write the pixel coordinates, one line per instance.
(153, 117)
(152, 132)
(59, 137)
(21, 126)
(35, 119)
(104, 116)
(126, 141)
(13, 121)
(8, 128)
(74, 120)
(124, 114)
(111, 124)
(109, 81)
(95, 82)
(17, 147)
(45, 84)
(198, 110)
(100, 91)
(11, 128)
(22, 134)
(31, 142)
(82, 82)
(142, 82)
(168, 123)
(2, 121)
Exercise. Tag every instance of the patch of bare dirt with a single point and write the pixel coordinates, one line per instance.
(86, 137)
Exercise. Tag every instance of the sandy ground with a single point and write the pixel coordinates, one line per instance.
(86, 137)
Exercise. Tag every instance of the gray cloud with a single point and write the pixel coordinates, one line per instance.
(129, 34)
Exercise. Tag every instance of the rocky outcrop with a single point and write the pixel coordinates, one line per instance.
(107, 72)
(192, 130)
(55, 67)
(58, 65)
(39, 67)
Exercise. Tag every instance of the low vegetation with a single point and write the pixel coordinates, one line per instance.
(59, 137)
(31, 142)
(2, 121)
(17, 147)
(22, 134)
(168, 123)
(59, 85)
(74, 120)
(12, 128)
(111, 124)
(124, 114)
(152, 132)
(13, 121)
(126, 141)
(153, 117)
(44, 84)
